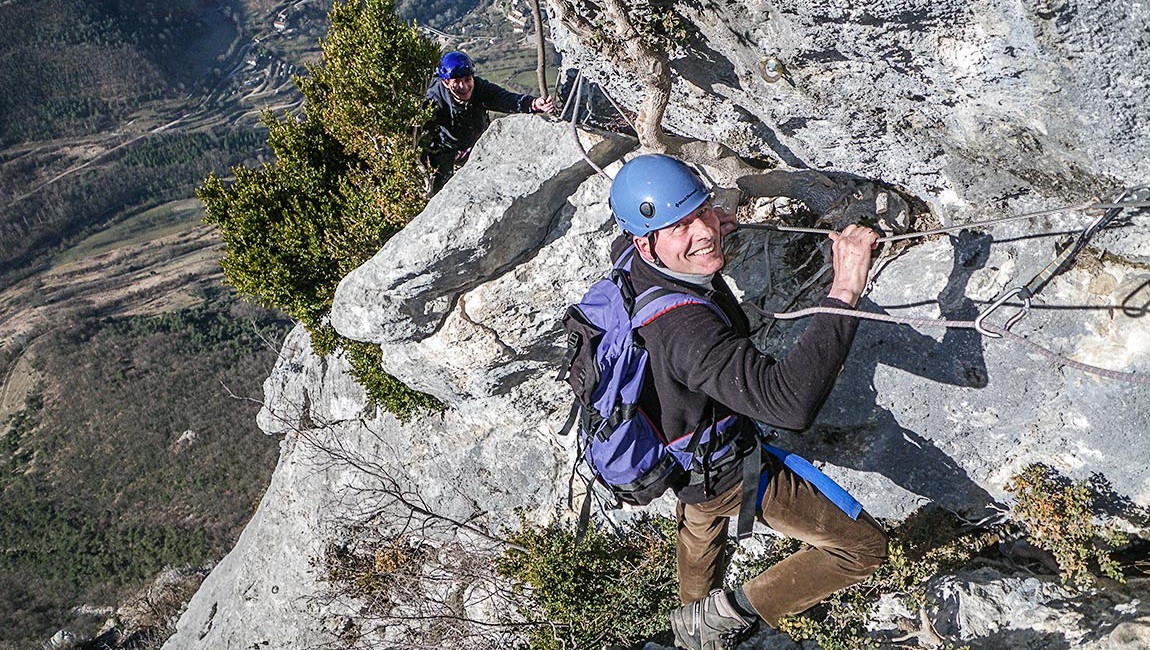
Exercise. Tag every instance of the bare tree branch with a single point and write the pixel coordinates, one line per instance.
(540, 49)
(401, 570)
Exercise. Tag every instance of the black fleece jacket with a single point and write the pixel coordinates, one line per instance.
(695, 357)
(457, 125)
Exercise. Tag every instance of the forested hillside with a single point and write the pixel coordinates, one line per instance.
(129, 455)
(122, 448)
(78, 68)
(114, 106)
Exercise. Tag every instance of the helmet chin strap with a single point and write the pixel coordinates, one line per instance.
(654, 256)
(455, 96)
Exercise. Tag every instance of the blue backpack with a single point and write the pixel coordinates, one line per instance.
(605, 365)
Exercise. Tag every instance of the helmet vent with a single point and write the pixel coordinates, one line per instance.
(647, 209)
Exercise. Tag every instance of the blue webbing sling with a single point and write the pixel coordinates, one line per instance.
(822, 482)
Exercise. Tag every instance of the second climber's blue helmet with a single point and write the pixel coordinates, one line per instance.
(455, 65)
(654, 191)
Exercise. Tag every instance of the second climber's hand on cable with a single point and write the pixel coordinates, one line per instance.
(544, 105)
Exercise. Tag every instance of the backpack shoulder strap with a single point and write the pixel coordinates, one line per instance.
(657, 301)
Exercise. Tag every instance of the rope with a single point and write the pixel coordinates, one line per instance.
(1063, 361)
(973, 224)
(865, 315)
(898, 320)
(575, 131)
(960, 324)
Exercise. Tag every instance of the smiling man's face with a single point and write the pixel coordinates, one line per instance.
(461, 87)
(690, 245)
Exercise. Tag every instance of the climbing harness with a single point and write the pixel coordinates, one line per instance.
(1138, 197)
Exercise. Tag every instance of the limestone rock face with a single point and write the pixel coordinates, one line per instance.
(950, 416)
(499, 218)
(968, 105)
(492, 358)
(499, 211)
(975, 110)
(988, 609)
(309, 393)
(952, 110)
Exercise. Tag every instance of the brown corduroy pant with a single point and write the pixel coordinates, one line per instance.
(841, 551)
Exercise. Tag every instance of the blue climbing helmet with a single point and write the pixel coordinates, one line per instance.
(654, 191)
(455, 65)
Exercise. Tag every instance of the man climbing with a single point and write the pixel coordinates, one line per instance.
(461, 102)
(705, 372)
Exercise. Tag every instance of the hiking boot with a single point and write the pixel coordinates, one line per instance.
(708, 624)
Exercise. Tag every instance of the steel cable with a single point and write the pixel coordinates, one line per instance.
(575, 130)
(939, 231)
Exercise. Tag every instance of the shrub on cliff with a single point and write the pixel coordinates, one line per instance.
(1061, 516)
(612, 587)
(346, 178)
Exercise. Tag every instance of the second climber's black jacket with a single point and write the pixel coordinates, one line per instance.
(456, 126)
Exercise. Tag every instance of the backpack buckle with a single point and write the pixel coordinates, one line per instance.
(765, 432)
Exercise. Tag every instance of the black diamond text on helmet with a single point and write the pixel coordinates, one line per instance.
(684, 199)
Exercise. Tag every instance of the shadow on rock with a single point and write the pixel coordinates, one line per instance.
(868, 437)
(1019, 639)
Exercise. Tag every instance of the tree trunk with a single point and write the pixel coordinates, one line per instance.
(656, 74)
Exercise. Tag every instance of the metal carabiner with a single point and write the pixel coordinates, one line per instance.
(1010, 322)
